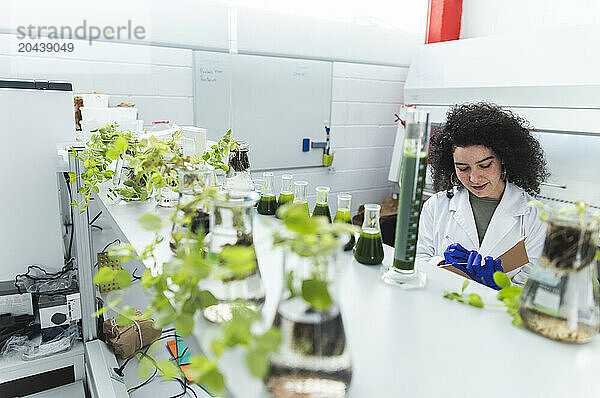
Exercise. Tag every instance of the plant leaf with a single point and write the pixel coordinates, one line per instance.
(501, 279)
(104, 275)
(464, 285)
(207, 299)
(257, 363)
(150, 222)
(315, 293)
(184, 324)
(475, 300)
(269, 341)
(240, 260)
(510, 292)
(122, 278)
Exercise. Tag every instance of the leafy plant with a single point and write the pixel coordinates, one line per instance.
(508, 295)
(176, 298)
(315, 239)
(218, 155)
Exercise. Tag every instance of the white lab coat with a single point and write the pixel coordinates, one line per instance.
(444, 221)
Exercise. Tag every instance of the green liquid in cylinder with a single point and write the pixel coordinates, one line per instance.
(409, 210)
(369, 249)
(267, 205)
(285, 198)
(322, 210)
(304, 205)
(344, 216)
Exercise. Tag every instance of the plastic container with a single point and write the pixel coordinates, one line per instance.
(94, 100)
(123, 113)
(194, 140)
(102, 115)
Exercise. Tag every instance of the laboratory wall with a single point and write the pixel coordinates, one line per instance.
(493, 17)
(368, 76)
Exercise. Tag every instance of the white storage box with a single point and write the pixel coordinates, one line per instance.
(193, 140)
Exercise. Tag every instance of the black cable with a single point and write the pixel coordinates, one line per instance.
(132, 389)
(135, 277)
(110, 244)
(68, 182)
(95, 218)
(68, 267)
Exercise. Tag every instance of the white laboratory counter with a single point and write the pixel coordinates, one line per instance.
(407, 343)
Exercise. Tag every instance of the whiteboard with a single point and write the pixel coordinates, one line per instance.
(273, 103)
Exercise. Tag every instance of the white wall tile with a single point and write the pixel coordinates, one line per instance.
(128, 79)
(353, 113)
(365, 71)
(361, 90)
(175, 109)
(362, 136)
(8, 68)
(77, 72)
(172, 80)
(361, 158)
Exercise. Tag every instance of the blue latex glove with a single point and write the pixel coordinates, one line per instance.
(455, 253)
(482, 273)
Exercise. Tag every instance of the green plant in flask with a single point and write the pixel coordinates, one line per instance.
(267, 204)
(343, 215)
(369, 248)
(322, 207)
(414, 166)
(287, 194)
(300, 194)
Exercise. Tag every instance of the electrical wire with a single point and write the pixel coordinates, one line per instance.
(67, 180)
(106, 247)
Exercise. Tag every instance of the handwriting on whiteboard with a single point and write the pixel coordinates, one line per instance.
(210, 75)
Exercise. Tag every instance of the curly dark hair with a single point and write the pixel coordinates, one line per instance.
(505, 133)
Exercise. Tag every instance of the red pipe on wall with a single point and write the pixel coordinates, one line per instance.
(443, 20)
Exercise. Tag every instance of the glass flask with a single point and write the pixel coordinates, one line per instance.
(286, 195)
(231, 224)
(192, 212)
(402, 273)
(238, 176)
(313, 359)
(300, 194)
(342, 214)
(267, 204)
(369, 248)
(321, 205)
(560, 299)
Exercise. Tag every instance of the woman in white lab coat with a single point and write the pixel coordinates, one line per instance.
(486, 165)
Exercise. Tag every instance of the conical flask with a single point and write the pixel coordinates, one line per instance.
(322, 203)
(300, 194)
(191, 216)
(369, 248)
(343, 215)
(412, 180)
(313, 359)
(560, 299)
(231, 225)
(267, 204)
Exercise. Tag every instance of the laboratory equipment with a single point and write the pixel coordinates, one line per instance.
(321, 205)
(286, 195)
(369, 248)
(342, 214)
(560, 299)
(267, 204)
(300, 194)
(238, 175)
(191, 217)
(313, 359)
(412, 180)
(231, 225)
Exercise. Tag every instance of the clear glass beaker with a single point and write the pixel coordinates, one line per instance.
(560, 299)
(369, 248)
(322, 205)
(267, 204)
(300, 194)
(191, 217)
(343, 214)
(313, 359)
(412, 180)
(238, 176)
(231, 225)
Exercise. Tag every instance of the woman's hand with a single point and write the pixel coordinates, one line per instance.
(483, 273)
(455, 253)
